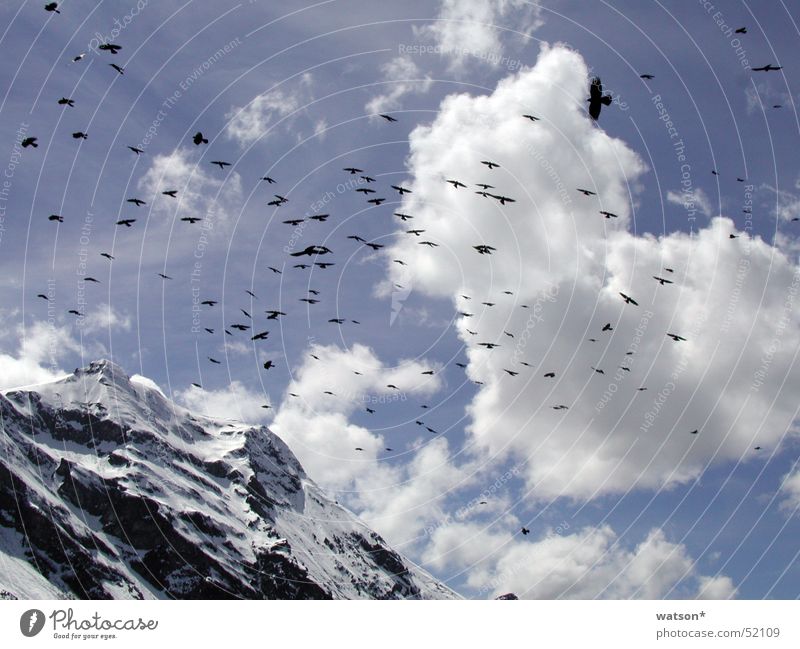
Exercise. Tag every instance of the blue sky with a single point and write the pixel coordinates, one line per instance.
(292, 91)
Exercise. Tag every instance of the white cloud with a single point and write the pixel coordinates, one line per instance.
(471, 30)
(404, 77)
(693, 200)
(587, 564)
(734, 378)
(40, 350)
(200, 192)
(790, 489)
(236, 401)
(104, 318)
(247, 124)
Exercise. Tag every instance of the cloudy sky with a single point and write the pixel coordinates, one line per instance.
(646, 467)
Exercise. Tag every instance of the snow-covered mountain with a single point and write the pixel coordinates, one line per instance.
(110, 490)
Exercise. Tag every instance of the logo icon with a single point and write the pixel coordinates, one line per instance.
(31, 622)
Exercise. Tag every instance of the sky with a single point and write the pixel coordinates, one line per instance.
(468, 459)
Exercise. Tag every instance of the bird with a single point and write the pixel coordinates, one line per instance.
(609, 215)
(126, 222)
(117, 68)
(403, 217)
(191, 219)
(294, 222)
(676, 337)
(43, 296)
(767, 68)
(353, 170)
(77, 58)
(262, 335)
(138, 202)
(525, 531)
(376, 201)
(550, 375)
(274, 270)
(401, 190)
(484, 186)
(320, 217)
(368, 179)
(279, 200)
(337, 320)
(198, 139)
(370, 411)
(56, 217)
(388, 118)
(607, 327)
(430, 244)
(173, 193)
(561, 407)
(510, 373)
(274, 315)
(136, 150)
(694, 432)
(741, 30)
(214, 360)
(110, 47)
(586, 192)
(662, 281)
(490, 164)
(629, 300)
(365, 190)
(597, 99)
(456, 183)
(251, 294)
(598, 371)
(222, 164)
(533, 118)
(503, 199)
(91, 279)
(374, 246)
(209, 302)
(29, 141)
(312, 250)
(75, 312)
(64, 101)
(646, 76)
(268, 365)
(106, 255)
(489, 345)
(355, 237)
(310, 300)
(163, 276)
(79, 135)
(52, 7)
(270, 181)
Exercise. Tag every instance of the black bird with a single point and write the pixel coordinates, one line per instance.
(694, 432)
(75, 59)
(403, 217)
(79, 135)
(525, 530)
(251, 294)
(561, 407)
(376, 201)
(662, 281)
(456, 183)
(768, 68)
(294, 221)
(214, 360)
(353, 170)
(268, 365)
(52, 6)
(462, 365)
(163, 276)
(66, 102)
(43, 296)
(370, 410)
(209, 302)
(74, 312)
(240, 327)
(323, 264)
(106, 255)
(310, 300)
(320, 217)
(676, 337)
(222, 164)
(355, 237)
(484, 250)
(279, 200)
(138, 202)
(365, 190)
(126, 222)
(171, 192)
(415, 232)
(488, 345)
(312, 250)
(274, 315)
(609, 215)
(484, 186)
(503, 199)
(260, 336)
(388, 118)
(533, 118)
(430, 244)
(135, 150)
(510, 373)
(629, 300)
(368, 179)
(646, 76)
(117, 68)
(597, 99)
(337, 320)
(550, 375)
(741, 30)
(275, 270)
(374, 246)
(110, 47)
(91, 279)
(55, 217)
(586, 192)
(29, 141)
(401, 190)
(191, 219)
(211, 331)
(598, 371)
(607, 327)
(198, 139)
(270, 181)
(490, 164)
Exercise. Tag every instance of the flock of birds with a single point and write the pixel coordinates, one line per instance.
(318, 255)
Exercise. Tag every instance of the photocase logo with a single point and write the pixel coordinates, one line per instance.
(31, 622)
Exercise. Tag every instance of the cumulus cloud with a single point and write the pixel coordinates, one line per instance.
(236, 401)
(790, 490)
(587, 564)
(565, 267)
(470, 30)
(404, 77)
(41, 348)
(200, 192)
(104, 318)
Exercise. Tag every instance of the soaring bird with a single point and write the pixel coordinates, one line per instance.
(221, 164)
(79, 135)
(191, 219)
(198, 139)
(270, 181)
(401, 190)
(312, 250)
(430, 244)
(126, 222)
(117, 68)
(662, 281)
(456, 183)
(209, 302)
(279, 200)
(629, 300)
(676, 337)
(490, 164)
(376, 201)
(136, 150)
(106, 255)
(262, 335)
(586, 192)
(533, 118)
(609, 215)
(646, 76)
(163, 276)
(64, 101)
(138, 202)
(741, 30)
(173, 193)
(484, 250)
(388, 118)
(55, 217)
(268, 365)
(29, 141)
(110, 47)
(52, 7)
(767, 68)
(597, 99)
(403, 217)
(353, 170)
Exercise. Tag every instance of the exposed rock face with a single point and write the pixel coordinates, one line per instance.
(110, 490)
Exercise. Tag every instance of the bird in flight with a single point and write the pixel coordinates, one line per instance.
(597, 99)
(484, 250)
(490, 164)
(64, 101)
(191, 219)
(741, 30)
(629, 300)
(662, 281)
(609, 215)
(646, 76)
(353, 170)
(279, 200)
(110, 47)
(221, 164)
(767, 68)
(401, 190)
(270, 181)
(403, 217)
(456, 183)
(56, 217)
(136, 201)
(388, 118)
(676, 337)
(586, 192)
(312, 250)
(135, 150)
(376, 201)
(117, 68)
(29, 141)
(52, 7)
(198, 139)
(126, 222)
(533, 118)
(171, 192)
